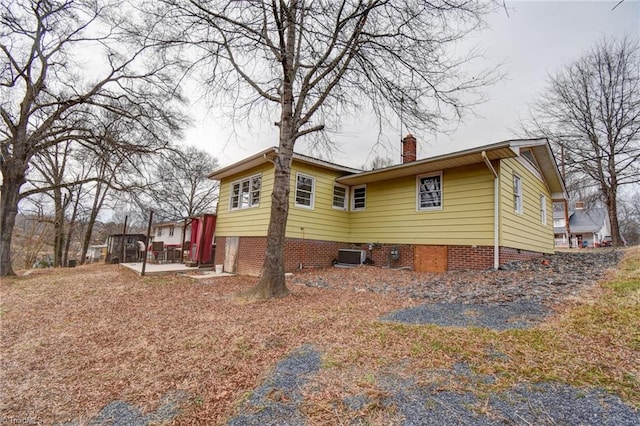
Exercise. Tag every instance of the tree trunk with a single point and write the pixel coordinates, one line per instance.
(70, 229)
(272, 281)
(612, 210)
(13, 179)
(86, 241)
(98, 201)
(58, 228)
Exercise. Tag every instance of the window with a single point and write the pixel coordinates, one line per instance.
(429, 191)
(543, 209)
(245, 193)
(171, 230)
(159, 232)
(358, 197)
(340, 198)
(517, 193)
(304, 190)
(528, 155)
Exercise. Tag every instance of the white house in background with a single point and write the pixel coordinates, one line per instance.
(588, 226)
(96, 253)
(170, 233)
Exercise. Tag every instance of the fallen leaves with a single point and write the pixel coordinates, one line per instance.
(74, 340)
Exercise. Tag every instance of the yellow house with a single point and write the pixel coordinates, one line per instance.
(472, 209)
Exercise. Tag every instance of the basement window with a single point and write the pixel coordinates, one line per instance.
(305, 186)
(429, 191)
(358, 197)
(340, 197)
(517, 193)
(245, 193)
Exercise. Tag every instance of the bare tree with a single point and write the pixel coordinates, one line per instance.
(378, 163)
(50, 89)
(304, 64)
(112, 168)
(33, 235)
(630, 219)
(51, 179)
(591, 113)
(179, 186)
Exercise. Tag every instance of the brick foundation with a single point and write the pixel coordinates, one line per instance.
(380, 254)
(251, 255)
(297, 253)
(481, 257)
(321, 254)
(508, 254)
(469, 257)
(310, 253)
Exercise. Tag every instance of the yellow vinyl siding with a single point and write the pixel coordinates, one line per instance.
(323, 222)
(524, 231)
(466, 217)
(252, 221)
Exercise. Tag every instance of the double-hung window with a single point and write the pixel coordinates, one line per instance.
(305, 186)
(517, 193)
(429, 191)
(543, 209)
(340, 197)
(358, 197)
(245, 193)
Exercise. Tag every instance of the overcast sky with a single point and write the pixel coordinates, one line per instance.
(535, 39)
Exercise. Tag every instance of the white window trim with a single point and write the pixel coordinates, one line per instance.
(353, 198)
(429, 209)
(346, 197)
(518, 207)
(239, 181)
(313, 191)
(543, 209)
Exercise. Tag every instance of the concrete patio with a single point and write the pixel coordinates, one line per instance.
(173, 269)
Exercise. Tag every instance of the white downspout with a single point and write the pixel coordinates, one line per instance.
(496, 216)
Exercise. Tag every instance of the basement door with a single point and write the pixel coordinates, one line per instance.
(231, 247)
(430, 258)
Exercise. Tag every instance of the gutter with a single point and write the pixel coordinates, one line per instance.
(496, 216)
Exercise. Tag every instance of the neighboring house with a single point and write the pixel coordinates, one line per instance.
(588, 227)
(561, 237)
(472, 209)
(171, 233)
(122, 248)
(195, 246)
(96, 253)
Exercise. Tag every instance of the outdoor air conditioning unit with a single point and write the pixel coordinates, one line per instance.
(351, 257)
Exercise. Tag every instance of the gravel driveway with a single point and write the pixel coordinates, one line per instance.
(278, 401)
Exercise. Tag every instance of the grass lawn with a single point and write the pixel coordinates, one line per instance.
(74, 340)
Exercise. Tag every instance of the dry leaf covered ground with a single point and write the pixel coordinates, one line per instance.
(82, 341)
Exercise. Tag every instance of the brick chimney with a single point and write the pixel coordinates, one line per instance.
(579, 205)
(408, 148)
